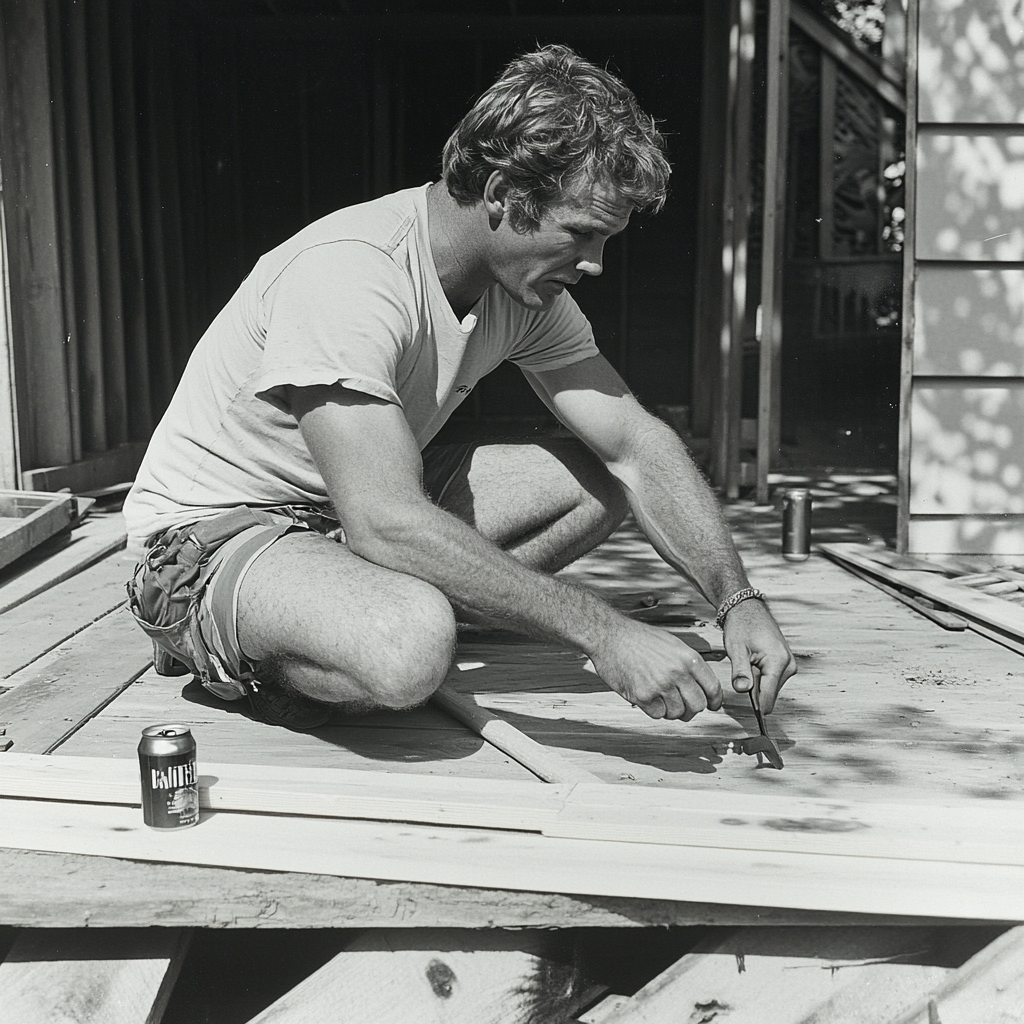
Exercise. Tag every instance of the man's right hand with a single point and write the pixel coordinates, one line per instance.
(656, 671)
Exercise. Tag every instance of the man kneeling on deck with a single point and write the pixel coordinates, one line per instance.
(307, 548)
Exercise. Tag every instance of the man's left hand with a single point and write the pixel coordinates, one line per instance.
(757, 650)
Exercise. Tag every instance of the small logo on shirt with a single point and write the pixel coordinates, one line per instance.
(463, 389)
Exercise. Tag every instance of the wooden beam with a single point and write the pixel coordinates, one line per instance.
(65, 216)
(801, 861)
(136, 326)
(453, 975)
(713, 132)
(118, 976)
(88, 325)
(60, 890)
(773, 243)
(545, 763)
(908, 327)
(108, 201)
(30, 211)
(884, 80)
(116, 466)
(29, 518)
(10, 454)
(736, 210)
(989, 987)
(791, 975)
(584, 811)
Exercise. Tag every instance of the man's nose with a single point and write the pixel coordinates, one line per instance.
(591, 261)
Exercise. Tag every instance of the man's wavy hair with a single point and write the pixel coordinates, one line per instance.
(555, 124)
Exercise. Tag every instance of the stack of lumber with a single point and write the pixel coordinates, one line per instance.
(989, 602)
(959, 861)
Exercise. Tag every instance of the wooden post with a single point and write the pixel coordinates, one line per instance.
(713, 159)
(909, 281)
(736, 209)
(65, 219)
(773, 244)
(139, 412)
(30, 209)
(9, 455)
(88, 326)
(107, 204)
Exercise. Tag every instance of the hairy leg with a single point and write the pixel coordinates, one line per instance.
(546, 503)
(317, 618)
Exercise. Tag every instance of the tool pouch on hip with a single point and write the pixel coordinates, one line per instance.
(166, 587)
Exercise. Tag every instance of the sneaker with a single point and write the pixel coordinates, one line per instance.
(277, 706)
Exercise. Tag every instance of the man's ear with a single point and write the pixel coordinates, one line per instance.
(495, 191)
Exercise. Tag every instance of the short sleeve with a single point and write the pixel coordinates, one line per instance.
(340, 312)
(557, 337)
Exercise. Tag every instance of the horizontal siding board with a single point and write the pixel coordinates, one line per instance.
(970, 321)
(971, 61)
(967, 535)
(970, 201)
(967, 456)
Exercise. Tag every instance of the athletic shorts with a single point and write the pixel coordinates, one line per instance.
(184, 592)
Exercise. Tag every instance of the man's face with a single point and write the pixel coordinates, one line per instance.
(535, 268)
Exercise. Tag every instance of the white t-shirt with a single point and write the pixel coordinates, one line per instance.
(352, 298)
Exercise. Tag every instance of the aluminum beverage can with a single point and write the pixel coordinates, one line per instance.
(796, 524)
(170, 785)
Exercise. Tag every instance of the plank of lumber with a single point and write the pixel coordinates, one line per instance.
(52, 697)
(789, 976)
(978, 833)
(435, 976)
(60, 890)
(74, 976)
(320, 792)
(95, 539)
(526, 861)
(989, 610)
(36, 626)
(989, 987)
(544, 762)
(28, 518)
(947, 620)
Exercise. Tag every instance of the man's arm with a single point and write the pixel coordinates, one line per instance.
(370, 462)
(674, 506)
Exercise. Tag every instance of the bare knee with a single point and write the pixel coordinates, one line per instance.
(414, 650)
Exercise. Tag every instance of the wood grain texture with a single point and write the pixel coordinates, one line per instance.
(791, 976)
(90, 542)
(525, 861)
(989, 987)
(51, 697)
(545, 763)
(434, 977)
(60, 890)
(36, 626)
(979, 833)
(117, 976)
(29, 518)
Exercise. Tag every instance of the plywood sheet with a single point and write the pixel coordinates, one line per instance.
(969, 321)
(968, 450)
(971, 62)
(970, 198)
